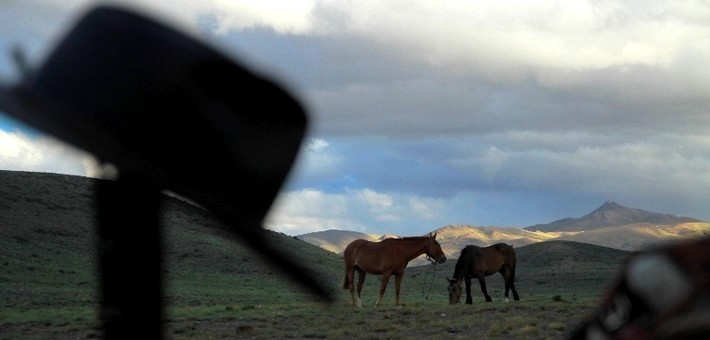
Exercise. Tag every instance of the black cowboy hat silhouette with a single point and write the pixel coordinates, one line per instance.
(171, 114)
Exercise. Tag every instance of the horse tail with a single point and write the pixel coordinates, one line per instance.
(346, 283)
(514, 263)
(510, 255)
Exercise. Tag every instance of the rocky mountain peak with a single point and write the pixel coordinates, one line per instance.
(609, 204)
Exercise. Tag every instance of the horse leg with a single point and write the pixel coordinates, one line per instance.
(397, 282)
(516, 297)
(383, 286)
(469, 299)
(482, 281)
(350, 284)
(506, 275)
(360, 281)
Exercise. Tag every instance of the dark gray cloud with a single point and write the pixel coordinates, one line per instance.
(463, 112)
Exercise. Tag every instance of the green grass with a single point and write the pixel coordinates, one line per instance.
(215, 287)
(438, 320)
(48, 315)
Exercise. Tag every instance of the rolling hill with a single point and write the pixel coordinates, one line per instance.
(48, 284)
(47, 231)
(47, 239)
(39, 208)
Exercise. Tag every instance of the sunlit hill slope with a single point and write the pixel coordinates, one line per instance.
(611, 225)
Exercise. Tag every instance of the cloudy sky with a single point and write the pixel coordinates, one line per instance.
(429, 113)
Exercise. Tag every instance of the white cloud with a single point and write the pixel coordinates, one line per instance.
(559, 44)
(366, 210)
(21, 152)
(317, 145)
(561, 34)
(377, 205)
(310, 210)
(658, 165)
(284, 16)
(518, 35)
(374, 200)
(425, 208)
(317, 161)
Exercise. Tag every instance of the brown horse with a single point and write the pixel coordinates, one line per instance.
(481, 262)
(388, 257)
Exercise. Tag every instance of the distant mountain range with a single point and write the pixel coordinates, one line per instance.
(611, 214)
(611, 225)
(59, 209)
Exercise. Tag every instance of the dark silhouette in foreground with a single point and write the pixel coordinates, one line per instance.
(387, 257)
(659, 294)
(477, 262)
(171, 114)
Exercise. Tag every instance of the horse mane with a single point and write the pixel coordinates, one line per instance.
(462, 262)
(412, 238)
(504, 248)
(408, 238)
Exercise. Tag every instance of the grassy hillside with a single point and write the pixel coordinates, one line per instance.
(642, 236)
(569, 268)
(217, 287)
(47, 253)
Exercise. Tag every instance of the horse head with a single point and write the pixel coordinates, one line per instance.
(434, 253)
(455, 291)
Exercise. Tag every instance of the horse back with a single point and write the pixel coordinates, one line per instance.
(354, 246)
(498, 255)
(361, 247)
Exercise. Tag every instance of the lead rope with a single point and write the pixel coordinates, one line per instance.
(431, 283)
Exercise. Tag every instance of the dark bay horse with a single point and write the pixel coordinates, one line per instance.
(387, 257)
(478, 262)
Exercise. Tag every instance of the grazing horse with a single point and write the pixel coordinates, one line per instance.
(388, 257)
(480, 262)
